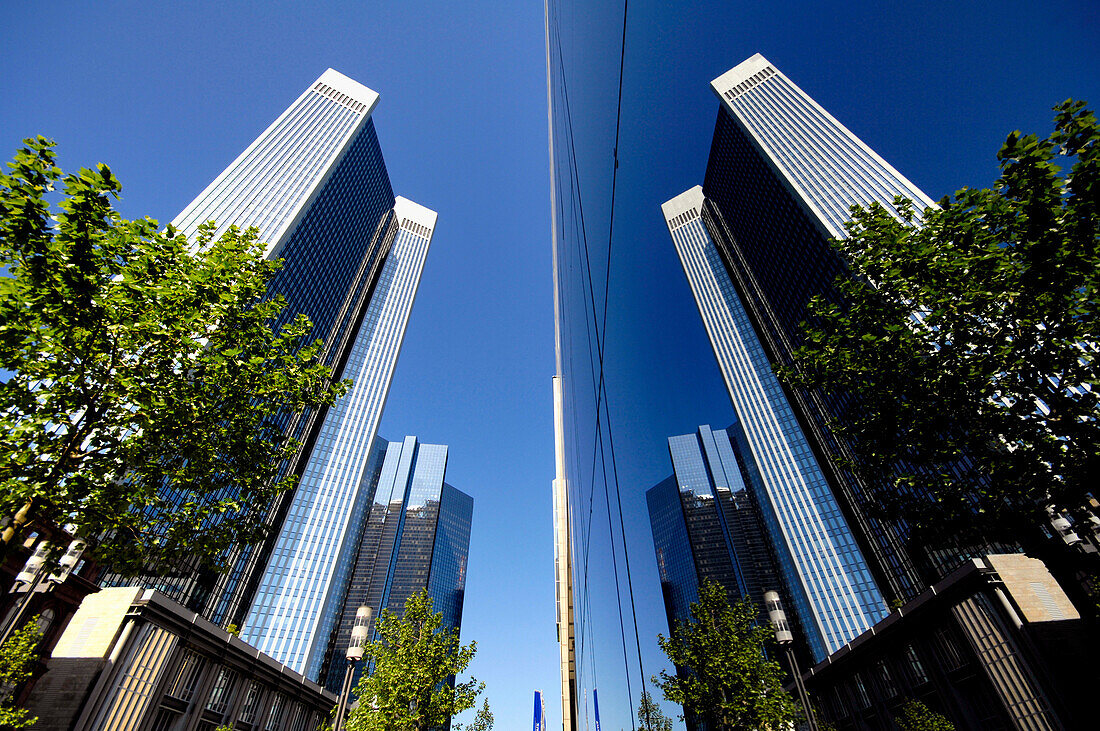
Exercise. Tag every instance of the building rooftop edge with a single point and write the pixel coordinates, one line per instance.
(739, 73)
(165, 606)
(973, 570)
(351, 87)
(423, 215)
(690, 198)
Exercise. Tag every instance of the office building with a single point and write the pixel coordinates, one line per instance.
(409, 531)
(415, 535)
(830, 583)
(994, 646)
(315, 185)
(311, 559)
(706, 525)
(133, 659)
(780, 180)
(708, 521)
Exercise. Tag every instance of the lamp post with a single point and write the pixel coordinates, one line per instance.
(785, 638)
(354, 655)
(37, 577)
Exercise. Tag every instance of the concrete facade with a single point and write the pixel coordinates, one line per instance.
(133, 660)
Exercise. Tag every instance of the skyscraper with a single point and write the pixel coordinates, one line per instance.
(706, 524)
(831, 586)
(780, 180)
(415, 535)
(315, 185)
(311, 559)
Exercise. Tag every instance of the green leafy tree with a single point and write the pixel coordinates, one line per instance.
(415, 661)
(17, 658)
(915, 716)
(650, 717)
(724, 675)
(483, 721)
(139, 360)
(968, 343)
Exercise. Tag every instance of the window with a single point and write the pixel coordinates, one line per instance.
(916, 669)
(886, 679)
(165, 720)
(187, 676)
(45, 619)
(222, 691)
(275, 712)
(948, 650)
(251, 704)
(301, 718)
(861, 692)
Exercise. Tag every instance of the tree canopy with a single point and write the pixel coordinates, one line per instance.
(650, 716)
(723, 672)
(968, 343)
(147, 385)
(17, 659)
(915, 716)
(415, 660)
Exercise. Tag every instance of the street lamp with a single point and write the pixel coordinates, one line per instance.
(785, 638)
(38, 577)
(354, 655)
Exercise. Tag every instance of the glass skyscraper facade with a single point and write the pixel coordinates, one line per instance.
(780, 180)
(706, 524)
(828, 579)
(315, 185)
(415, 534)
(295, 604)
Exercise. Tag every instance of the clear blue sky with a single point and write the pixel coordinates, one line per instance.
(169, 93)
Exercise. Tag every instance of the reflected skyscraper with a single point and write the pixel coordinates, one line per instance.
(316, 187)
(754, 242)
(706, 524)
(780, 180)
(828, 579)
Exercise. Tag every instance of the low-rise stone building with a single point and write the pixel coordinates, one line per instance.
(995, 645)
(133, 660)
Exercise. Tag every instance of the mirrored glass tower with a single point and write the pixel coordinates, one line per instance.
(828, 579)
(415, 535)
